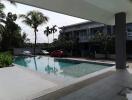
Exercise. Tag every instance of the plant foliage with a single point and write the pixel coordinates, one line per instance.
(6, 59)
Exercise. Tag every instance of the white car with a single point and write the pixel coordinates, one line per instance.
(45, 52)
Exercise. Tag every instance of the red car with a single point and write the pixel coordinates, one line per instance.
(57, 53)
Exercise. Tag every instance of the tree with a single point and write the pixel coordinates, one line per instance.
(34, 19)
(10, 25)
(53, 30)
(64, 44)
(11, 34)
(2, 15)
(24, 38)
(47, 32)
(105, 41)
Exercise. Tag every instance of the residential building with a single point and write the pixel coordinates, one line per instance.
(84, 32)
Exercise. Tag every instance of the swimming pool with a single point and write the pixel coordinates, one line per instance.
(59, 67)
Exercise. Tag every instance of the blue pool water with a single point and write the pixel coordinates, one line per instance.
(59, 67)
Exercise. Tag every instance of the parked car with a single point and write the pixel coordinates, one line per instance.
(27, 53)
(45, 52)
(57, 53)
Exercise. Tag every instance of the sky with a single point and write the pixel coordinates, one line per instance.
(54, 19)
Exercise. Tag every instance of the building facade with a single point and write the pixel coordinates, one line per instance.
(83, 32)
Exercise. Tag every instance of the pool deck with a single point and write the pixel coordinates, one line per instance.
(19, 84)
(117, 86)
(23, 84)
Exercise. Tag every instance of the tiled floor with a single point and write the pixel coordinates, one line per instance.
(109, 88)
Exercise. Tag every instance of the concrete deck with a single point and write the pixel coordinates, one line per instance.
(19, 84)
(117, 86)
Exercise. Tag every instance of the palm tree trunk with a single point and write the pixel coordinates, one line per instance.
(35, 64)
(48, 41)
(35, 41)
(53, 37)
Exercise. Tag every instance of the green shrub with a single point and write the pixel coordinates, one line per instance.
(6, 59)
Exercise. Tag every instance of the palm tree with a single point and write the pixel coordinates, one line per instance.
(24, 38)
(8, 28)
(2, 6)
(47, 32)
(53, 30)
(2, 15)
(34, 19)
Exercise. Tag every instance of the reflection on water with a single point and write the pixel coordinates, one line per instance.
(35, 64)
(59, 67)
(50, 69)
(43, 64)
(23, 61)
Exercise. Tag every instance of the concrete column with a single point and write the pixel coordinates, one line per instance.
(120, 30)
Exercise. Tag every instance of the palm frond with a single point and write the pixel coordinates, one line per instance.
(12, 2)
(2, 14)
(22, 16)
(26, 20)
(37, 17)
(2, 29)
(34, 18)
(54, 29)
(2, 20)
(47, 31)
(2, 6)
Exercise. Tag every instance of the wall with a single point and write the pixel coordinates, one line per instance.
(19, 51)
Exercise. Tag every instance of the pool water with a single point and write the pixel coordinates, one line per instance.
(59, 67)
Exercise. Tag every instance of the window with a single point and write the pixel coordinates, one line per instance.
(129, 29)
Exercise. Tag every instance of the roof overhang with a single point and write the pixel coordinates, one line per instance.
(96, 10)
